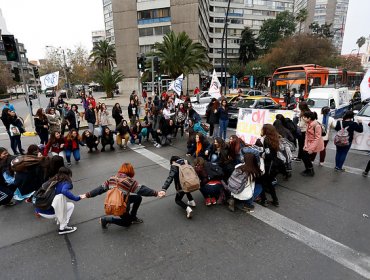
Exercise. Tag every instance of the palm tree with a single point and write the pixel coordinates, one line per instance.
(248, 46)
(109, 79)
(178, 54)
(360, 42)
(103, 55)
(301, 18)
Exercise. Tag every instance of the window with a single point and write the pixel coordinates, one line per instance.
(156, 13)
(157, 31)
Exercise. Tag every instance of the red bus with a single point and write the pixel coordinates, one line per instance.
(302, 78)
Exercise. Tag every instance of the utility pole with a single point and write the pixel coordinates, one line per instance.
(65, 72)
(24, 82)
(223, 67)
(152, 58)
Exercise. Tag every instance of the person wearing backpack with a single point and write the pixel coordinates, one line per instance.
(60, 209)
(129, 190)
(313, 144)
(174, 175)
(343, 140)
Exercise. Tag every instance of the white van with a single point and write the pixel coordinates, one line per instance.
(337, 99)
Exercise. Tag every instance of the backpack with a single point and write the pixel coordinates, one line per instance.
(44, 196)
(189, 179)
(214, 171)
(115, 202)
(323, 129)
(237, 181)
(292, 126)
(21, 163)
(341, 139)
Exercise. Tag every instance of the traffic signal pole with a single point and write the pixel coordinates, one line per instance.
(24, 83)
(153, 92)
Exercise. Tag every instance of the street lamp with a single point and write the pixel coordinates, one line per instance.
(64, 67)
(352, 51)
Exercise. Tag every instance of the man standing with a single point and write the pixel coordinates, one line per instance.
(9, 106)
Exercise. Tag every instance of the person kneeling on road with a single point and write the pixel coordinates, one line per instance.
(174, 175)
(125, 183)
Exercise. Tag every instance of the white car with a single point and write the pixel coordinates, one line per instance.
(364, 114)
(201, 98)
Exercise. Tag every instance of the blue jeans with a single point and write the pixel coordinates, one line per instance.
(76, 155)
(138, 138)
(257, 191)
(341, 155)
(223, 128)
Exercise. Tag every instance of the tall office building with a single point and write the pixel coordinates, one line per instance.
(96, 36)
(138, 24)
(108, 21)
(325, 11)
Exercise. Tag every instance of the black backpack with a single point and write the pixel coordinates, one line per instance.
(44, 196)
(214, 171)
(292, 127)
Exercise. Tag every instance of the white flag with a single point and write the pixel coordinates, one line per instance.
(365, 86)
(176, 85)
(49, 80)
(178, 101)
(215, 87)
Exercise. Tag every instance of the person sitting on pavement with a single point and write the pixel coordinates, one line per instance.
(174, 176)
(72, 146)
(198, 147)
(124, 179)
(61, 210)
(7, 187)
(123, 134)
(107, 139)
(136, 133)
(90, 140)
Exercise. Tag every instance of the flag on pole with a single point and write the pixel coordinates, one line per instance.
(365, 86)
(49, 80)
(215, 87)
(176, 85)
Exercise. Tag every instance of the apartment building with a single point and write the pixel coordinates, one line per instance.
(138, 24)
(108, 21)
(325, 11)
(96, 36)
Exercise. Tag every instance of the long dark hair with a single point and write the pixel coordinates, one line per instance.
(271, 136)
(303, 107)
(250, 166)
(64, 175)
(40, 114)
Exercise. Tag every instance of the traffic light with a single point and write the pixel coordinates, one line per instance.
(141, 63)
(36, 72)
(10, 47)
(17, 77)
(157, 64)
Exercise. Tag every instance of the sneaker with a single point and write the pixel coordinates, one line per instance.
(136, 220)
(192, 203)
(125, 147)
(208, 201)
(112, 148)
(104, 223)
(231, 203)
(275, 203)
(139, 144)
(69, 164)
(158, 146)
(248, 208)
(321, 164)
(365, 173)
(339, 169)
(213, 200)
(189, 212)
(296, 159)
(102, 150)
(66, 230)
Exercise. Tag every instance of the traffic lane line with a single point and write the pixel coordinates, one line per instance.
(340, 253)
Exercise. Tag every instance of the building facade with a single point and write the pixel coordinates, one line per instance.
(139, 24)
(108, 21)
(325, 11)
(97, 36)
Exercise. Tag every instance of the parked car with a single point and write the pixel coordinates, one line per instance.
(63, 94)
(254, 92)
(201, 98)
(50, 93)
(255, 102)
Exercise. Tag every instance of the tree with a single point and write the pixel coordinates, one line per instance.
(322, 31)
(248, 46)
(273, 30)
(257, 69)
(301, 18)
(236, 69)
(351, 62)
(108, 79)
(178, 54)
(103, 55)
(6, 79)
(80, 69)
(300, 49)
(360, 42)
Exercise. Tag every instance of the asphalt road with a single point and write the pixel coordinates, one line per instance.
(318, 232)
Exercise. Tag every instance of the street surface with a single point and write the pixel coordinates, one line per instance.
(320, 230)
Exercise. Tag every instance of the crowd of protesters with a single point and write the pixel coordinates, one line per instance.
(230, 171)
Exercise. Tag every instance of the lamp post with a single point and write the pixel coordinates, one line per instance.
(223, 68)
(64, 68)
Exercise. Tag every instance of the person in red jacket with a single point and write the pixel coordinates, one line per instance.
(55, 145)
(72, 146)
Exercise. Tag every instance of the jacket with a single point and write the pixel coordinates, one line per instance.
(223, 114)
(90, 141)
(329, 125)
(123, 130)
(173, 176)
(127, 186)
(132, 111)
(72, 144)
(90, 116)
(103, 118)
(54, 123)
(55, 147)
(107, 139)
(39, 125)
(313, 141)
(116, 114)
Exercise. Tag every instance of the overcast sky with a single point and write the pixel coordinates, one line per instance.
(68, 23)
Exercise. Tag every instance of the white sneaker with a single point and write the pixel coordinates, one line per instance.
(192, 203)
(188, 212)
(158, 146)
(66, 230)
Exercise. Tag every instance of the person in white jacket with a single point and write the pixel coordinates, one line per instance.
(329, 123)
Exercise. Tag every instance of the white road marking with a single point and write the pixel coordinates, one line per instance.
(342, 254)
(348, 169)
